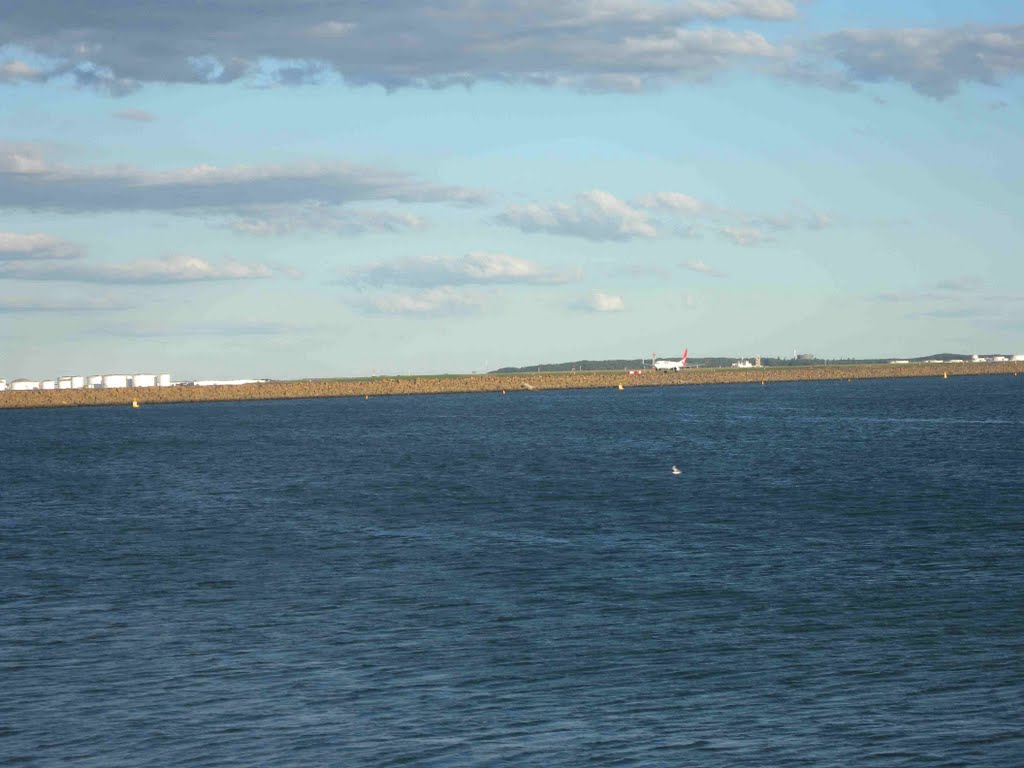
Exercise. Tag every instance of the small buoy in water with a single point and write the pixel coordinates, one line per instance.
(762, 382)
(945, 375)
(503, 391)
(676, 470)
(135, 403)
(621, 387)
(366, 396)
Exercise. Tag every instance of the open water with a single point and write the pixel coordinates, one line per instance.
(835, 579)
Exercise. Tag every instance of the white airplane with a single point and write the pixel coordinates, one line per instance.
(671, 365)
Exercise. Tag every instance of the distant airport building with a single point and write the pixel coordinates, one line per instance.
(805, 356)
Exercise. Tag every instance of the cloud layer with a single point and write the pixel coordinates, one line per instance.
(626, 45)
(169, 269)
(16, 246)
(935, 62)
(30, 180)
(622, 44)
(594, 215)
(601, 216)
(474, 268)
(25, 304)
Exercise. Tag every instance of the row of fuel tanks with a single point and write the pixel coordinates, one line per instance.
(96, 381)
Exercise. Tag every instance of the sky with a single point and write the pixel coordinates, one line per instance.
(337, 188)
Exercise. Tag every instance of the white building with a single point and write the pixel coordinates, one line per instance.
(24, 385)
(743, 364)
(227, 382)
(1018, 358)
(48, 384)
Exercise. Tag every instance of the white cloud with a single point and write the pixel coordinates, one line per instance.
(443, 300)
(595, 215)
(169, 269)
(676, 202)
(746, 236)
(696, 265)
(22, 247)
(813, 220)
(17, 71)
(599, 301)
(475, 267)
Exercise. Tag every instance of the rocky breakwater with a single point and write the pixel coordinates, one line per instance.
(382, 386)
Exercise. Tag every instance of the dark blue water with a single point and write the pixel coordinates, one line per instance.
(836, 579)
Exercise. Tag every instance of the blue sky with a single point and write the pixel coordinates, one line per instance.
(338, 188)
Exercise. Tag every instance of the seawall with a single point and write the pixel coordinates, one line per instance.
(382, 386)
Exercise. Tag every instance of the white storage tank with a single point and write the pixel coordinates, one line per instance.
(143, 380)
(23, 385)
(3, 384)
(1018, 358)
(115, 380)
(77, 382)
(92, 382)
(163, 380)
(64, 382)
(48, 384)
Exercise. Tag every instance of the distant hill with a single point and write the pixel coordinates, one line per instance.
(709, 362)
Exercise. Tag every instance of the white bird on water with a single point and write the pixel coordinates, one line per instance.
(676, 470)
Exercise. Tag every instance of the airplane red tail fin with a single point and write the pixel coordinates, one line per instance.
(686, 353)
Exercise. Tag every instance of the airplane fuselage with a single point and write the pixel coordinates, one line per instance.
(671, 365)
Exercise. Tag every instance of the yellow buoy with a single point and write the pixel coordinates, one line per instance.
(503, 391)
(621, 387)
(366, 396)
(945, 375)
(135, 403)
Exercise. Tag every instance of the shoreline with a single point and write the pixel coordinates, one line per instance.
(384, 386)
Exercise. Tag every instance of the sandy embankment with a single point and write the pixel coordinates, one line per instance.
(376, 387)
